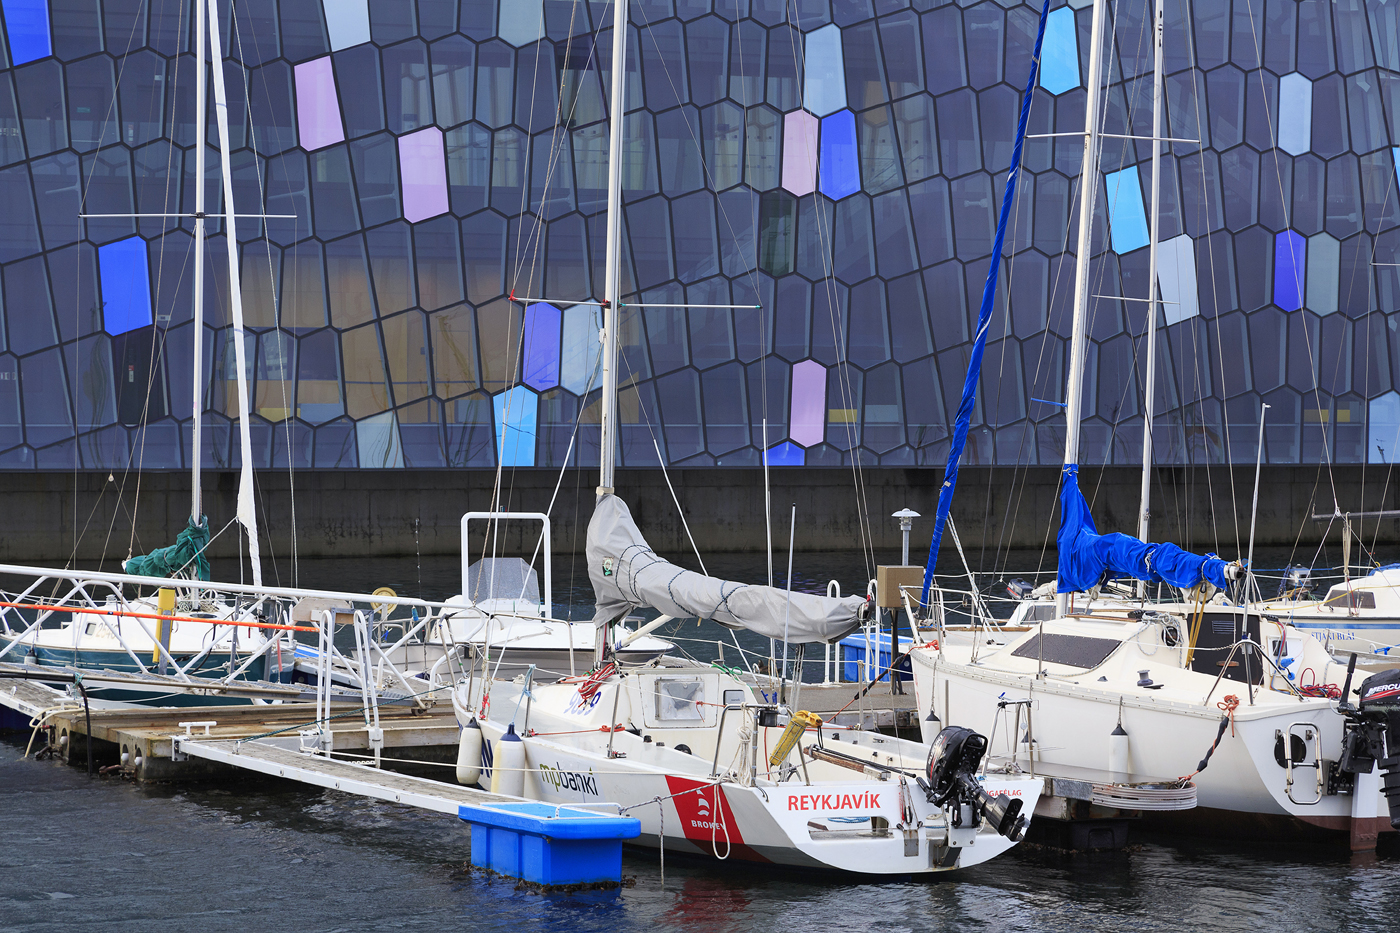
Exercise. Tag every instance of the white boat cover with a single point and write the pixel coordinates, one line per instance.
(627, 574)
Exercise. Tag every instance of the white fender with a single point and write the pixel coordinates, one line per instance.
(1118, 752)
(469, 754)
(508, 769)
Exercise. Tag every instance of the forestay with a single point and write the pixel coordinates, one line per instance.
(1086, 555)
(627, 574)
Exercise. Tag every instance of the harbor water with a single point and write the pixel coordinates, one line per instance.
(246, 854)
(86, 853)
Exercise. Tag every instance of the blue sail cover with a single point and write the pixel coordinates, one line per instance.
(1086, 555)
(984, 320)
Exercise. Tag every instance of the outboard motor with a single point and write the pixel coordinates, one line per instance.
(952, 781)
(1373, 733)
(1296, 582)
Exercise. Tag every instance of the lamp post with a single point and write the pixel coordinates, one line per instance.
(906, 522)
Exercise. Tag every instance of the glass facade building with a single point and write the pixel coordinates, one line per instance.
(833, 166)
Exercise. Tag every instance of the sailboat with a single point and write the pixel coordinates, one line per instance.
(1360, 614)
(707, 762)
(1166, 697)
(119, 633)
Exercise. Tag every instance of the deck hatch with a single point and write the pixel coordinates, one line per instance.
(1073, 650)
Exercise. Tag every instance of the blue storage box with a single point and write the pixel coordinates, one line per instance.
(548, 845)
(852, 650)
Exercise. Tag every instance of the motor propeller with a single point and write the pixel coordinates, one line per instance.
(952, 781)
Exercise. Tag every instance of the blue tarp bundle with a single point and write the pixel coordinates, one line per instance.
(1086, 555)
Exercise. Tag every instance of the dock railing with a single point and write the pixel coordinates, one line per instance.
(124, 617)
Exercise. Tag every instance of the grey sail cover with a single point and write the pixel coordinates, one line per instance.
(627, 574)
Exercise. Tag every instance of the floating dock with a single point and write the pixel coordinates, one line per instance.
(139, 739)
(552, 847)
(879, 709)
(276, 760)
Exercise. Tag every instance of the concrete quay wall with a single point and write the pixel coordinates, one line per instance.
(50, 517)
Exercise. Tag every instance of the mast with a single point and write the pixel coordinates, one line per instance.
(197, 433)
(612, 270)
(1154, 234)
(1088, 188)
(247, 516)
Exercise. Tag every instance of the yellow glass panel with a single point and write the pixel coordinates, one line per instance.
(303, 288)
(348, 284)
(499, 324)
(406, 348)
(259, 289)
(453, 335)
(366, 392)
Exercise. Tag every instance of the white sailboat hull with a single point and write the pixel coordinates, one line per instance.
(841, 819)
(1243, 782)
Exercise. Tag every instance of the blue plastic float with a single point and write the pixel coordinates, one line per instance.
(548, 845)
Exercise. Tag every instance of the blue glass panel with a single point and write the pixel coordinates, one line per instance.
(522, 21)
(693, 225)
(48, 417)
(126, 285)
(1294, 114)
(27, 22)
(357, 78)
(377, 438)
(517, 411)
(540, 349)
(839, 166)
(1059, 53)
(648, 223)
(1290, 259)
(28, 306)
(11, 427)
(1126, 218)
(824, 90)
(347, 22)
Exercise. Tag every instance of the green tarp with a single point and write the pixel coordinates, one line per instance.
(184, 558)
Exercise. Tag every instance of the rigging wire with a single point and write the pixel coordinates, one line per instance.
(825, 240)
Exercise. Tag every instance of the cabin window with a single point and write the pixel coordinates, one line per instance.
(679, 700)
(1340, 597)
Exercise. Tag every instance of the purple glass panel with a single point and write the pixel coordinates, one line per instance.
(786, 454)
(423, 170)
(540, 353)
(808, 403)
(1290, 259)
(840, 170)
(800, 152)
(318, 108)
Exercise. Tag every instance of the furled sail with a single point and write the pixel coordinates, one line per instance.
(1086, 555)
(627, 574)
(184, 558)
(984, 321)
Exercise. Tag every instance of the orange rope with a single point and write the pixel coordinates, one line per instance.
(151, 615)
(1228, 707)
(604, 729)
